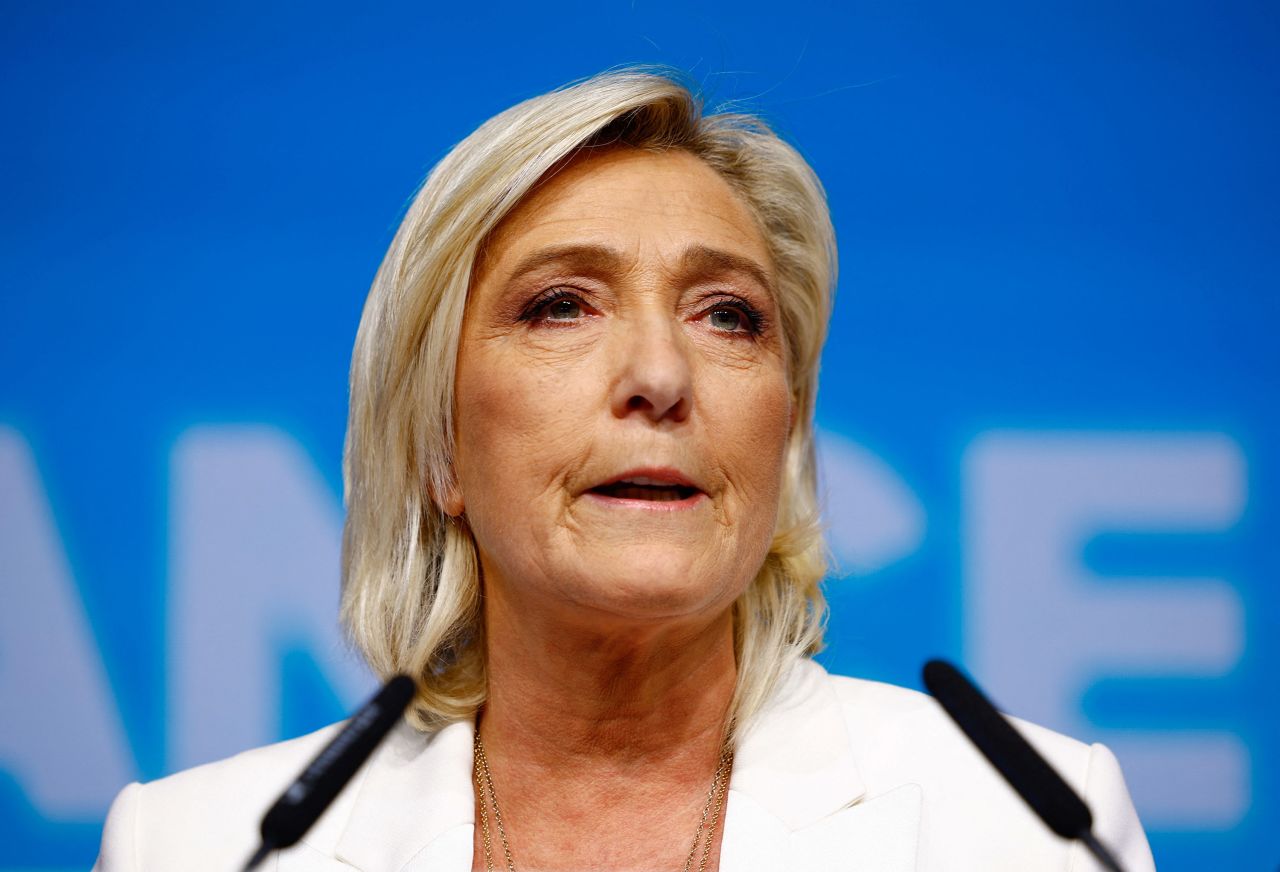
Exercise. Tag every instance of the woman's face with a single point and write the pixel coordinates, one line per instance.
(622, 404)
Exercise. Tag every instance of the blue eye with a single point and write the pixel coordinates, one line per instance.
(562, 309)
(731, 320)
(735, 317)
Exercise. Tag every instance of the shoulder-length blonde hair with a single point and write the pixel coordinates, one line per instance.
(411, 583)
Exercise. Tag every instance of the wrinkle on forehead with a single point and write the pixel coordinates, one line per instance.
(537, 211)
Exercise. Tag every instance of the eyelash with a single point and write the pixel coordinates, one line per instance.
(756, 321)
(536, 308)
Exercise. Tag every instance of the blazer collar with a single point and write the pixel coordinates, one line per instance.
(794, 763)
(418, 786)
(797, 799)
(795, 760)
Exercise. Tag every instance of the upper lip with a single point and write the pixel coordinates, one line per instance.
(654, 476)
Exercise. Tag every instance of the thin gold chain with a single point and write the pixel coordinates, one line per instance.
(719, 784)
(706, 823)
(484, 780)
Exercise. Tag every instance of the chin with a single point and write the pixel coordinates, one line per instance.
(656, 588)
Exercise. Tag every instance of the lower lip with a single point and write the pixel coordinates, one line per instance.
(690, 502)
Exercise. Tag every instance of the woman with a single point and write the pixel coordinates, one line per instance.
(580, 488)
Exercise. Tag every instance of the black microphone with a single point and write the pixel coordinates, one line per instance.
(1060, 807)
(302, 804)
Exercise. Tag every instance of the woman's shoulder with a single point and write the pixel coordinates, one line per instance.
(897, 736)
(250, 780)
(876, 707)
(893, 727)
(208, 814)
(272, 766)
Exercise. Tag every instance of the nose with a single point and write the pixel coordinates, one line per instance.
(654, 377)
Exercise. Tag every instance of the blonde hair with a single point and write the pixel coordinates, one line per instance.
(411, 582)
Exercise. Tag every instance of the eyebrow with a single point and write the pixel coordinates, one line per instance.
(696, 261)
(593, 258)
(703, 260)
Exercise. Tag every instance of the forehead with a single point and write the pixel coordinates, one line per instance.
(662, 201)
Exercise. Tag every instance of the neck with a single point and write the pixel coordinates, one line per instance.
(626, 694)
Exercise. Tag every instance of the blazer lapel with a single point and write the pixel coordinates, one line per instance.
(797, 799)
(415, 808)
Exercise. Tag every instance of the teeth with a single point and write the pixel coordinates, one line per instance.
(643, 480)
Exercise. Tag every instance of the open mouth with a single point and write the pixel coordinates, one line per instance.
(645, 489)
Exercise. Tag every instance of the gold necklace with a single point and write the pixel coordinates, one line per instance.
(705, 834)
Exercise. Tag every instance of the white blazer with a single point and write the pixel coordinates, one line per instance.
(835, 774)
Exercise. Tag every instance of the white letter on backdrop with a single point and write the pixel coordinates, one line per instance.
(1041, 627)
(61, 737)
(254, 573)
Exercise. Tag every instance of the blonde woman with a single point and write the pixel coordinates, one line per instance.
(581, 511)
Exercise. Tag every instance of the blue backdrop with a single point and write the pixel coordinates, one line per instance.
(1048, 398)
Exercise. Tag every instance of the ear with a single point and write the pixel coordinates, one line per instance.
(447, 497)
(451, 501)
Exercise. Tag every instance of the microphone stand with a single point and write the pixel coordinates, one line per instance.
(1029, 774)
(306, 799)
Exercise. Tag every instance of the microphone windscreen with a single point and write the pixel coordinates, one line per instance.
(1021, 765)
(307, 798)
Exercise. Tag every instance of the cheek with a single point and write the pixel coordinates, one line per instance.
(513, 424)
(754, 461)
(759, 416)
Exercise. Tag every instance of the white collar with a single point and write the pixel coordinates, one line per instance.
(794, 765)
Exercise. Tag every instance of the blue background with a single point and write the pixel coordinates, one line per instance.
(1052, 216)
